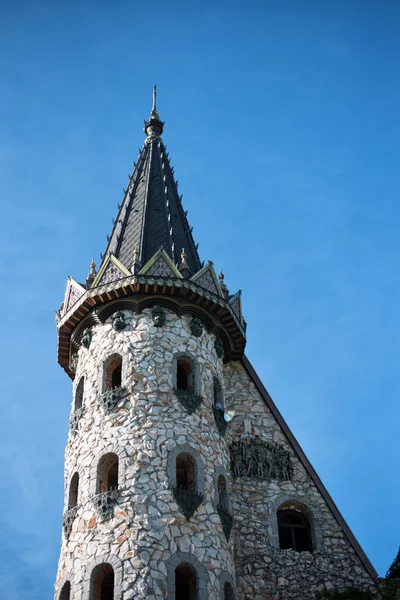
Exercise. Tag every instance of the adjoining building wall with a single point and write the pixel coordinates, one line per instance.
(263, 570)
(146, 535)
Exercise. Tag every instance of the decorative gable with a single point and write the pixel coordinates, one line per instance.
(112, 270)
(72, 294)
(236, 303)
(208, 280)
(160, 265)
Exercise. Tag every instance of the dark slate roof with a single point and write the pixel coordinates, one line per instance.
(151, 214)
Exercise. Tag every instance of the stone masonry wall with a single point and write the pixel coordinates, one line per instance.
(148, 534)
(263, 571)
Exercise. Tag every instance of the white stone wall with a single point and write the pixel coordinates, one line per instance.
(147, 528)
(263, 571)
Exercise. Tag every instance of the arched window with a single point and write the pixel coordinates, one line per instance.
(65, 593)
(185, 582)
(185, 375)
(228, 591)
(294, 530)
(73, 491)
(223, 499)
(79, 394)
(113, 372)
(102, 583)
(107, 473)
(185, 472)
(218, 396)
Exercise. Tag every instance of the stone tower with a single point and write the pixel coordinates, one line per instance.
(182, 480)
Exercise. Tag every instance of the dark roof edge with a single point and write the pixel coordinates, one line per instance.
(308, 467)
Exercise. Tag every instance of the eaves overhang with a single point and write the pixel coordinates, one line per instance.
(185, 294)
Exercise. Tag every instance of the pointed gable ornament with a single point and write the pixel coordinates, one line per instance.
(236, 303)
(160, 265)
(111, 270)
(73, 292)
(207, 279)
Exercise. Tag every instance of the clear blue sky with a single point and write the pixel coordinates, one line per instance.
(282, 122)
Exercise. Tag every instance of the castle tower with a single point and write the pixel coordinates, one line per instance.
(182, 480)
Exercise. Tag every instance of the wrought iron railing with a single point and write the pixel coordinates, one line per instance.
(75, 418)
(226, 520)
(187, 500)
(68, 519)
(188, 399)
(219, 419)
(109, 399)
(104, 503)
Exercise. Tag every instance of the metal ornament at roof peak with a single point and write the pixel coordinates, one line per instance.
(154, 126)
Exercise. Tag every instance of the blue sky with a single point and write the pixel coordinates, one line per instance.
(282, 123)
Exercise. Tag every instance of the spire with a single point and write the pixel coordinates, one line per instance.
(151, 215)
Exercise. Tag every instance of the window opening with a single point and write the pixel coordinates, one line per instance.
(113, 373)
(65, 591)
(116, 377)
(185, 582)
(184, 375)
(294, 531)
(73, 491)
(79, 394)
(185, 473)
(107, 473)
(228, 591)
(102, 583)
(222, 493)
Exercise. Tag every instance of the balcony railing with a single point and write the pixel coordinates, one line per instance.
(68, 519)
(109, 399)
(226, 520)
(104, 503)
(187, 500)
(75, 418)
(188, 399)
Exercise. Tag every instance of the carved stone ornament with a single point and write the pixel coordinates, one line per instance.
(68, 519)
(74, 363)
(258, 459)
(104, 503)
(196, 327)
(158, 316)
(109, 399)
(118, 321)
(87, 337)
(187, 500)
(219, 348)
(189, 400)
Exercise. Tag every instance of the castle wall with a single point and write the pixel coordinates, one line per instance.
(148, 535)
(263, 570)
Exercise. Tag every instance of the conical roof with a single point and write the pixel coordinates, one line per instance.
(151, 215)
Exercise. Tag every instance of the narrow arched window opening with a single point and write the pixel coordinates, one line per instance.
(185, 582)
(107, 473)
(218, 396)
(228, 591)
(79, 394)
(185, 473)
(65, 593)
(223, 500)
(113, 372)
(294, 531)
(73, 491)
(102, 583)
(184, 375)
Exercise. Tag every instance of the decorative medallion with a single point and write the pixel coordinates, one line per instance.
(258, 459)
(118, 321)
(87, 337)
(219, 348)
(196, 327)
(158, 316)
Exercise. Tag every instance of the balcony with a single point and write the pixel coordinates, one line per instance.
(104, 503)
(110, 398)
(219, 419)
(188, 399)
(226, 520)
(187, 500)
(74, 419)
(68, 519)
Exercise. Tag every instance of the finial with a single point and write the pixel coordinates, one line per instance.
(92, 275)
(136, 263)
(184, 267)
(154, 127)
(224, 289)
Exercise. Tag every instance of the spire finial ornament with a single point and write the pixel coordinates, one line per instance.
(91, 275)
(224, 289)
(136, 262)
(184, 267)
(153, 127)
